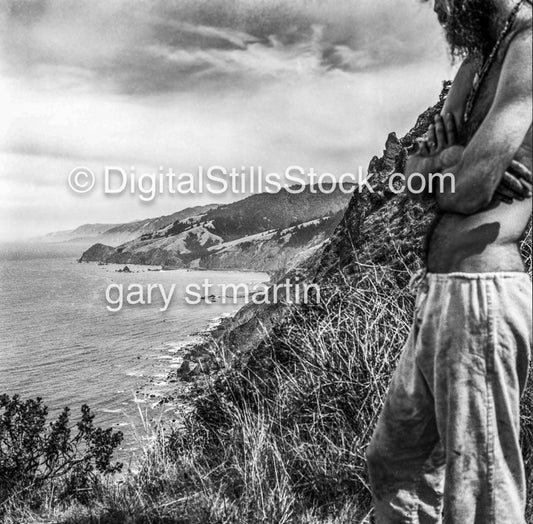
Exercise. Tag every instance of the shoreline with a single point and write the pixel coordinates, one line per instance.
(155, 376)
(189, 361)
(167, 397)
(158, 268)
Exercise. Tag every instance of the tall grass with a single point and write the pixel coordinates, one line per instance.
(278, 435)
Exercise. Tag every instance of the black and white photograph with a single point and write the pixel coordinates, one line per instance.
(266, 262)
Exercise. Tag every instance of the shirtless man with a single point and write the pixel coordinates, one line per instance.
(446, 444)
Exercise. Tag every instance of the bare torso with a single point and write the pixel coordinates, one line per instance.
(489, 239)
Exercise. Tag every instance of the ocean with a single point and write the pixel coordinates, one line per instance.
(59, 341)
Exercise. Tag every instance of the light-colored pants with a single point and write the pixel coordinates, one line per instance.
(446, 445)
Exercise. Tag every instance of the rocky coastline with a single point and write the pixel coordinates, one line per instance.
(378, 227)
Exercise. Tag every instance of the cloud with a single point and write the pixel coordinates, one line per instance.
(166, 46)
(188, 83)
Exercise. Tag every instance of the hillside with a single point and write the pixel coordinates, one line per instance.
(125, 232)
(82, 233)
(378, 228)
(278, 406)
(262, 232)
(267, 211)
(276, 250)
(116, 234)
(298, 389)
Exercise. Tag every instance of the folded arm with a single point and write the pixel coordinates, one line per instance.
(483, 163)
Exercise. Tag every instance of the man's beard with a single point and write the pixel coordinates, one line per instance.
(468, 26)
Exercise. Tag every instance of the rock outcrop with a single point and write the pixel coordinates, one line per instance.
(97, 253)
(378, 227)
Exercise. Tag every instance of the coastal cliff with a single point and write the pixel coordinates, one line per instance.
(295, 391)
(379, 227)
(275, 409)
(268, 232)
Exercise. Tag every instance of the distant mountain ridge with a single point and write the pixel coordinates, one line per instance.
(116, 234)
(264, 232)
(84, 232)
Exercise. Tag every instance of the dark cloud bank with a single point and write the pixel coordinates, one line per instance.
(172, 45)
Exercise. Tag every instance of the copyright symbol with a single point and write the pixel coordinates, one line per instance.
(81, 180)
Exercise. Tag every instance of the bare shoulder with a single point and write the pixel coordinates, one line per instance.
(516, 77)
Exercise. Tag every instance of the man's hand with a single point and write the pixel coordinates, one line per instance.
(441, 135)
(517, 184)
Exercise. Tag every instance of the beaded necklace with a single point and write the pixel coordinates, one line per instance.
(478, 79)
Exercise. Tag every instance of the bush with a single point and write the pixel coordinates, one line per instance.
(35, 453)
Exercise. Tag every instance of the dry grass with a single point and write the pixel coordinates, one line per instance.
(279, 434)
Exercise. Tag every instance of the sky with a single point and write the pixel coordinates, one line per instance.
(186, 83)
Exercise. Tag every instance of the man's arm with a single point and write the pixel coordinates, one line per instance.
(441, 136)
(424, 160)
(493, 147)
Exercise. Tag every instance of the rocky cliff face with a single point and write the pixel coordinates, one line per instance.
(378, 227)
(99, 252)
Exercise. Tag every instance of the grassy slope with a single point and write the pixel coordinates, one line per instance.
(278, 434)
